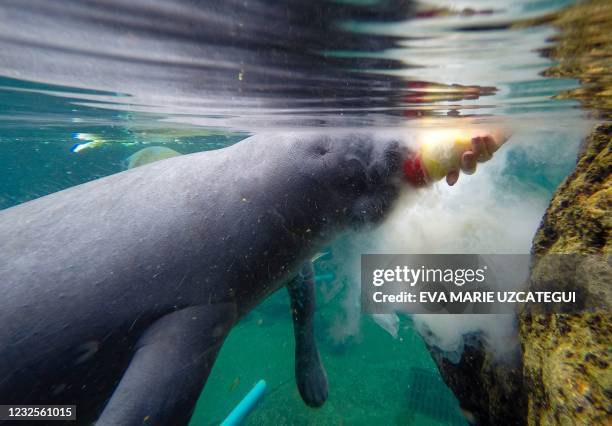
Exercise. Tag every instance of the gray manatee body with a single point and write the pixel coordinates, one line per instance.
(117, 294)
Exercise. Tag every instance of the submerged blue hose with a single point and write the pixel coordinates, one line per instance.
(244, 407)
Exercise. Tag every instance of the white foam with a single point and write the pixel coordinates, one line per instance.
(489, 212)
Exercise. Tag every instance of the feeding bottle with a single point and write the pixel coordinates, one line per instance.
(439, 154)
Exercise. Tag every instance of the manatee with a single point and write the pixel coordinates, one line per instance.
(117, 294)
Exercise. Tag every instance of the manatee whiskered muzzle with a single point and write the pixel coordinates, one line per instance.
(372, 207)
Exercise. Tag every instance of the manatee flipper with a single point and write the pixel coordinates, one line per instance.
(169, 368)
(309, 371)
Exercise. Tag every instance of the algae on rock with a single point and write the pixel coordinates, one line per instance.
(566, 357)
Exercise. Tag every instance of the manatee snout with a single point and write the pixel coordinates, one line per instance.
(369, 178)
(356, 176)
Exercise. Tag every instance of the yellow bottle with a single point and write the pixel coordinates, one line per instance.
(439, 155)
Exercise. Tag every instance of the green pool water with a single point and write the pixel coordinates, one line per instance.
(373, 379)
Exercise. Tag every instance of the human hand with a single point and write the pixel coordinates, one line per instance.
(481, 150)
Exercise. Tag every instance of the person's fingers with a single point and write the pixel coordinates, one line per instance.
(491, 144)
(468, 162)
(480, 147)
(452, 177)
(477, 147)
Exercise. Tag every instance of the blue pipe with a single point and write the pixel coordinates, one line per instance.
(244, 407)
